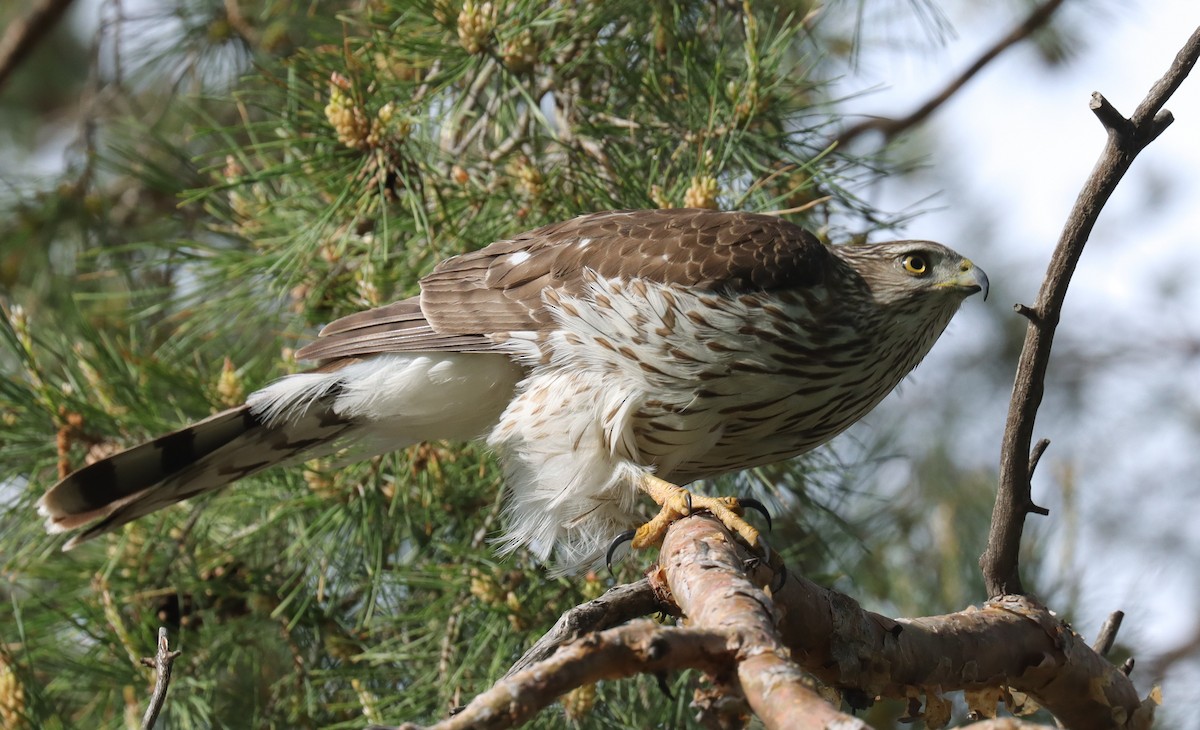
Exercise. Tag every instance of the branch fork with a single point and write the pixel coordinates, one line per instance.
(793, 656)
(1126, 138)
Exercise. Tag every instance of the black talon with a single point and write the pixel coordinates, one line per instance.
(688, 498)
(626, 536)
(782, 575)
(758, 507)
(766, 550)
(663, 686)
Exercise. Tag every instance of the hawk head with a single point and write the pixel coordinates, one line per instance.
(903, 272)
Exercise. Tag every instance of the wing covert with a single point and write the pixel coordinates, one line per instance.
(498, 289)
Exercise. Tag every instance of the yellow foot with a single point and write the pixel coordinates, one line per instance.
(677, 503)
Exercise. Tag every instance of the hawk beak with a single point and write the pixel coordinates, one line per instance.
(971, 278)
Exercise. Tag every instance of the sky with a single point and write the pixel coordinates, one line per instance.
(1006, 159)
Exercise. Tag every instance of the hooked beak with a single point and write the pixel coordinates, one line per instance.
(971, 278)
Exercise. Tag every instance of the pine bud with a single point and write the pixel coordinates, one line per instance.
(529, 179)
(443, 11)
(231, 390)
(20, 324)
(577, 704)
(702, 193)
(520, 54)
(660, 198)
(12, 697)
(485, 589)
(388, 126)
(232, 170)
(369, 702)
(476, 21)
(347, 119)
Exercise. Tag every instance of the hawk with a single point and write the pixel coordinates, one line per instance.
(615, 354)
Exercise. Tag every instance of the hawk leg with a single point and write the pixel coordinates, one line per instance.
(677, 503)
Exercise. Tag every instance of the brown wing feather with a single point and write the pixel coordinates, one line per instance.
(497, 289)
(396, 327)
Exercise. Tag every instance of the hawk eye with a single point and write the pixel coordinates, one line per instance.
(915, 264)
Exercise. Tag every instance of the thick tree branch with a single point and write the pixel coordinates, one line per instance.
(890, 127)
(781, 654)
(1014, 643)
(23, 35)
(1126, 138)
(706, 575)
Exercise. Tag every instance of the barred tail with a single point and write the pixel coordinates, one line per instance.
(199, 458)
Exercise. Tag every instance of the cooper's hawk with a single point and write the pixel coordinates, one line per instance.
(614, 353)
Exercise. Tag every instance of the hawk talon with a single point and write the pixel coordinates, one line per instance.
(626, 536)
(782, 574)
(765, 548)
(661, 678)
(758, 507)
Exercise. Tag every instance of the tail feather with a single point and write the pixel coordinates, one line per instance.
(370, 405)
(199, 458)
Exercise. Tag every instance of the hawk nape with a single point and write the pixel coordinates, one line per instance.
(616, 353)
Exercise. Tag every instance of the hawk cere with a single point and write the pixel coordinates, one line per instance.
(615, 353)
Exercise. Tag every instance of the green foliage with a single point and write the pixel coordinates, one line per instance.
(252, 176)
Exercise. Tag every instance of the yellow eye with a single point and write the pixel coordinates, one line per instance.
(915, 264)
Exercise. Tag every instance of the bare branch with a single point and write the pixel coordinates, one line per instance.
(1000, 560)
(706, 575)
(1036, 455)
(890, 127)
(1014, 642)
(618, 605)
(1108, 633)
(1025, 311)
(23, 35)
(1108, 115)
(766, 649)
(641, 646)
(162, 661)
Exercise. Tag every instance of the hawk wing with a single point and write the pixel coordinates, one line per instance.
(497, 289)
